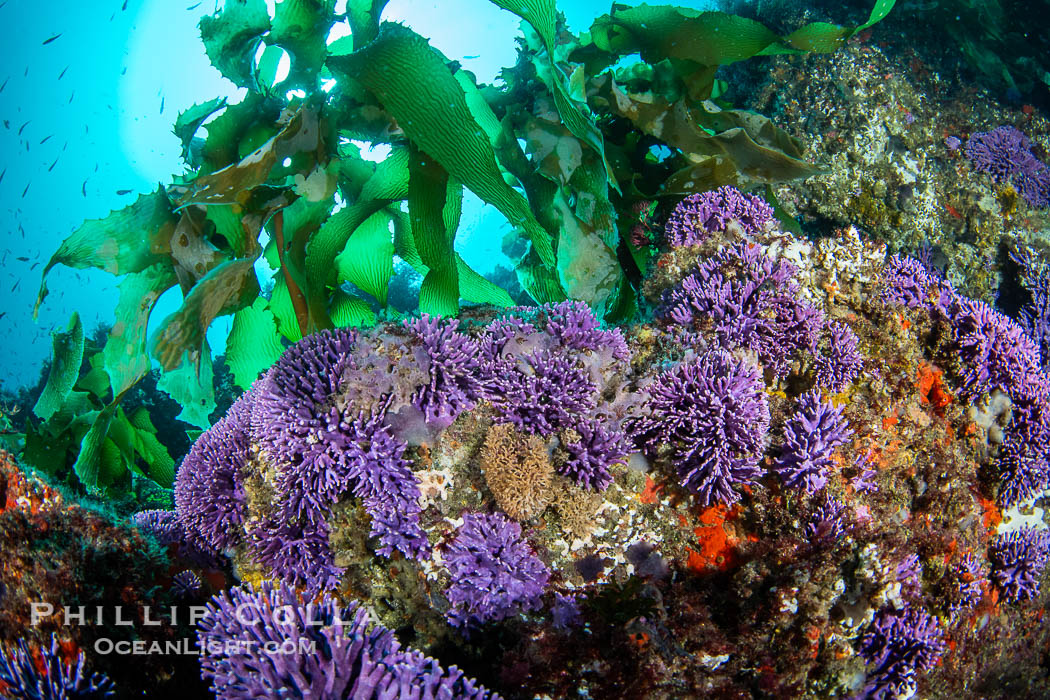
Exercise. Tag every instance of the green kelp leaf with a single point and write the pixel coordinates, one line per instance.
(228, 288)
(479, 108)
(437, 119)
(349, 311)
(125, 357)
(280, 305)
(367, 262)
(787, 222)
(192, 389)
(434, 208)
(542, 15)
(253, 344)
(389, 183)
(540, 281)
(66, 355)
(229, 129)
(89, 460)
(301, 28)
(129, 240)
(142, 452)
(734, 158)
(587, 268)
(478, 290)
(231, 35)
(230, 185)
(49, 452)
(95, 381)
(190, 120)
(711, 38)
(194, 256)
(723, 147)
(227, 222)
(112, 464)
(363, 16)
(472, 286)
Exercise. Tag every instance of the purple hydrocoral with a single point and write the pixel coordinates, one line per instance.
(712, 413)
(1018, 559)
(543, 392)
(966, 583)
(452, 364)
(576, 327)
(750, 301)
(589, 457)
(909, 575)
(165, 526)
(842, 363)
(1035, 315)
(998, 352)
(1006, 153)
(22, 678)
(907, 282)
(323, 447)
(266, 643)
(186, 585)
(811, 435)
(827, 522)
(209, 493)
(897, 644)
(705, 212)
(494, 571)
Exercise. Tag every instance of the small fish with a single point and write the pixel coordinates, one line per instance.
(53, 165)
(63, 72)
(96, 167)
(2, 313)
(474, 56)
(124, 6)
(48, 41)
(83, 190)
(25, 190)
(2, 175)
(22, 128)
(4, 85)
(17, 282)
(123, 192)
(34, 266)
(191, 7)
(7, 124)
(2, 4)
(22, 258)
(71, 96)
(44, 140)
(162, 105)
(25, 73)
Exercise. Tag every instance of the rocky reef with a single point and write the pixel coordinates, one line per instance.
(811, 472)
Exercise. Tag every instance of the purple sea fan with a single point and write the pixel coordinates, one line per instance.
(998, 352)
(209, 493)
(1018, 559)
(452, 359)
(597, 448)
(267, 644)
(22, 678)
(712, 413)
(750, 301)
(897, 644)
(842, 362)
(705, 212)
(810, 437)
(494, 572)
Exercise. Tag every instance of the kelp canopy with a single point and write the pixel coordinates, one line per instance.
(563, 147)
